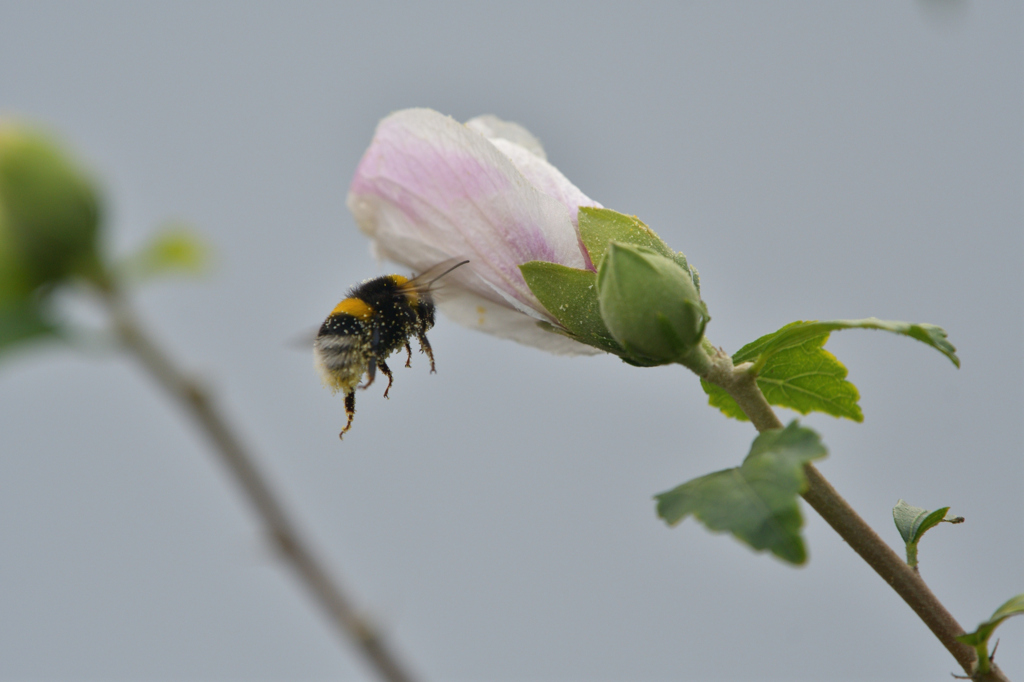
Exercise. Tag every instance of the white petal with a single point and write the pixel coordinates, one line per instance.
(493, 128)
(545, 177)
(528, 156)
(429, 188)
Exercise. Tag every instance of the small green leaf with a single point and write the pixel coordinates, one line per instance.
(914, 522)
(570, 295)
(757, 501)
(795, 371)
(22, 322)
(979, 638)
(1013, 607)
(174, 249)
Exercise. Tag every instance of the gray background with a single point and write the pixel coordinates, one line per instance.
(814, 160)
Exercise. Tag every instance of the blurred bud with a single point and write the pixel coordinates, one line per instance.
(649, 303)
(49, 212)
(16, 283)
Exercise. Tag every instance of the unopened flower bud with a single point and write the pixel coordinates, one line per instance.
(49, 211)
(649, 303)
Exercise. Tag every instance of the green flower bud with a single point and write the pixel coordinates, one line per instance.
(49, 212)
(649, 303)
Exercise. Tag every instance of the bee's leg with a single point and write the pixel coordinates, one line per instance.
(350, 410)
(425, 347)
(371, 366)
(371, 373)
(408, 352)
(387, 372)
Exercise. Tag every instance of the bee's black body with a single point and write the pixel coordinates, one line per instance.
(398, 313)
(377, 318)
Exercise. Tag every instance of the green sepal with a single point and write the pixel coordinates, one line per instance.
(914, 522)
(175, 249)
(756, 501)
(601, 226)
(979, 638)
(570, 295)
(795, 371)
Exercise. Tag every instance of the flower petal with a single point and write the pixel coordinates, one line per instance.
(525, 152)
(430, 188)
(494, 128)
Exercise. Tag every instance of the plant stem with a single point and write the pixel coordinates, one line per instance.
(912, 556)
(196, 401)
(741, 383)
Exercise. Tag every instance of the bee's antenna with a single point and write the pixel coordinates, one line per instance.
(422, 284)
(457, 265)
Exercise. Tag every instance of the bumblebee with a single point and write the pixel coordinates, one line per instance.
(378, 317)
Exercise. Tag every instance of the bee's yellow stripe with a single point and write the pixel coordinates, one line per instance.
(354, 307)
(410, 294)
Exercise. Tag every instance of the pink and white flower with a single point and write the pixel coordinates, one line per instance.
(430, 188)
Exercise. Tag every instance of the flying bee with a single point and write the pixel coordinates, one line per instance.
(377, 318)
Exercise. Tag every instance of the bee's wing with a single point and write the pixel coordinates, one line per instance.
(423, 282)
(303, 341)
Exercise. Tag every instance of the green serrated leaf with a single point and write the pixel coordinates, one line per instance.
(757, 501)
(795, 371)
(797, 333)
(22, 322)
(806, 378)
(601, 226)
(979, 638)
(174, 250)
(570, 295)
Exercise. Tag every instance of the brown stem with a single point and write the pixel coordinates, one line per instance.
(285, 535)
(741, 384)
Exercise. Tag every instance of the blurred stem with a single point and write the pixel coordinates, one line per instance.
(196, 401)
(741, 383)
